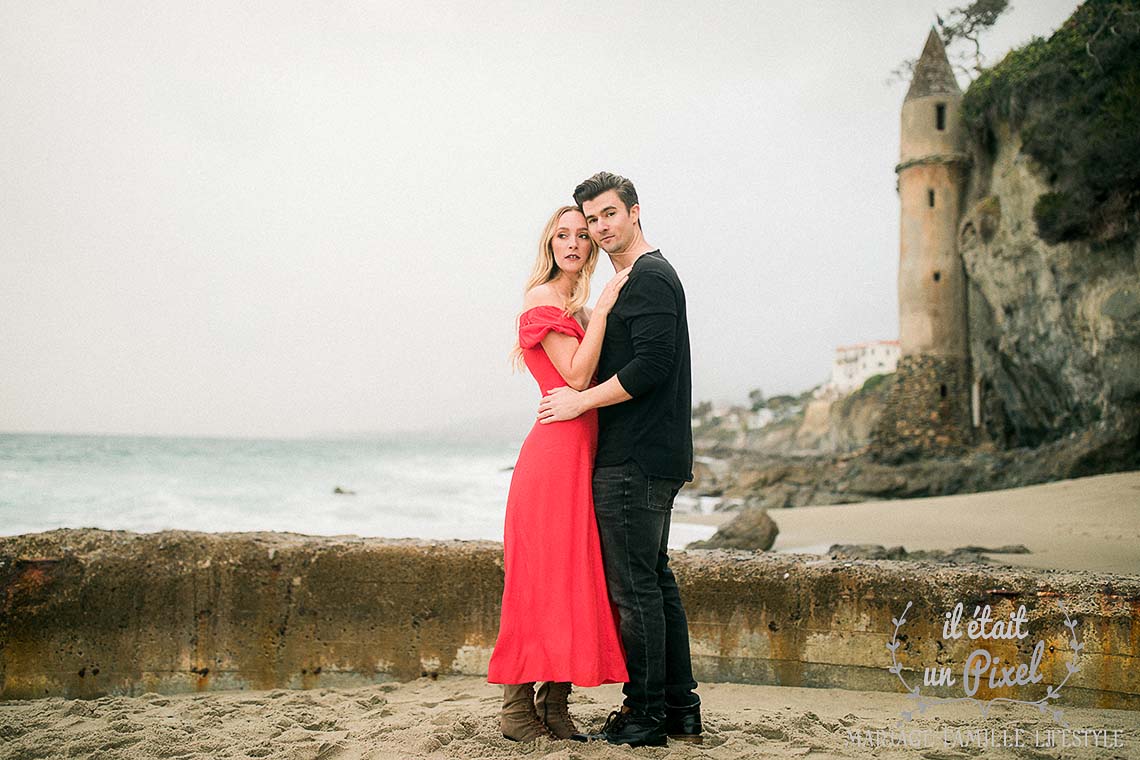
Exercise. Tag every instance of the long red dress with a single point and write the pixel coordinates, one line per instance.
(557, 622)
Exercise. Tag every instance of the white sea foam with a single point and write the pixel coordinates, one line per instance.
(401, 488)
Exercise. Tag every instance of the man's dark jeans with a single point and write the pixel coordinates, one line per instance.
(633, 514)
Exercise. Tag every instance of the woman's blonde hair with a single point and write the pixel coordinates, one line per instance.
(546, 269)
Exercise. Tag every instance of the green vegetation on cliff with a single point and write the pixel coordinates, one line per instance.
(1075, 98)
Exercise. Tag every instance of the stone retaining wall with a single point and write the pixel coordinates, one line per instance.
(85, 613)
(928, 408)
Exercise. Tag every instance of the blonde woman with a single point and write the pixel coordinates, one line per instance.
(557, 623)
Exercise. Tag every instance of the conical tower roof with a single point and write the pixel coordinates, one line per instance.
(932, 73)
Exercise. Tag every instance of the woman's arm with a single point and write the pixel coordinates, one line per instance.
(576, 362)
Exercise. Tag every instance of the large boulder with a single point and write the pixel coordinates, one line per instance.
(751, 529)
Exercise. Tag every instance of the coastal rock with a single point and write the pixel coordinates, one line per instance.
(709, 476)
(877, 481)
(960, 555)
(780, 496)
(865, 551)
(751, 529)
(1054, 329)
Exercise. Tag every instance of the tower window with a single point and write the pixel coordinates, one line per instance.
(930, 198)
(942, 390)
(940, 116)
(937, 276)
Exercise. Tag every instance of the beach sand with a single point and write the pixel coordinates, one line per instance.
(456, 717)
(1083, 524)
(1091, 523)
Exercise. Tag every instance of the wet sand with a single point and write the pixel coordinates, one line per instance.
(1083, 524)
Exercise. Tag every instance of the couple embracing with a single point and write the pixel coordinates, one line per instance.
(587, 519)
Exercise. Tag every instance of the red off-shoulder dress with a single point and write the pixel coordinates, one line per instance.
(557, 622)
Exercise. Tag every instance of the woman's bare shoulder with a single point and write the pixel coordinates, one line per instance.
(541, 295)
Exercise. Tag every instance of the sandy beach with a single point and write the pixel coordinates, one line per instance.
(1083, 524)
(1090, 524)
(455, 717)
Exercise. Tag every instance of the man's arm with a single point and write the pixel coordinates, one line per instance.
(654, 339)
(653, 332)
(564, 403)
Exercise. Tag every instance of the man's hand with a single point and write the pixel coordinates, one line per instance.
(559, 405)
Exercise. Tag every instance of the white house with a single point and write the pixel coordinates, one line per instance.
(854, 364)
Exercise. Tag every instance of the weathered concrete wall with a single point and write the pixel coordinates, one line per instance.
(93, 612)
(85, 613)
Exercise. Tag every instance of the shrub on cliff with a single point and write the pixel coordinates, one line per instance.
(1076, 100)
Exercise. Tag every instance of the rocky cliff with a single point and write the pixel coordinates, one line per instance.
(1054, 329)
(1049, 240)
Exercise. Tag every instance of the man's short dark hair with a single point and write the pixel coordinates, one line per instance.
(600, 183)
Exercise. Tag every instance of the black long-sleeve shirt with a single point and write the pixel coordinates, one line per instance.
(647, 346)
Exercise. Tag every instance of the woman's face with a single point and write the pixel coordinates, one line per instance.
(571, 242)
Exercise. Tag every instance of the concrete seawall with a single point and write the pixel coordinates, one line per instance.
(85, 613)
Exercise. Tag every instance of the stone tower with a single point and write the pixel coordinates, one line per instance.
(929, 408)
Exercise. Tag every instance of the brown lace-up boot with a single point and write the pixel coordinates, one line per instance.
(550, 702)
(518, 720)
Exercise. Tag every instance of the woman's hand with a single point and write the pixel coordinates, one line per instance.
(610, 292)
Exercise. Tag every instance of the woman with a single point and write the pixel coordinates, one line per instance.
(557, 623)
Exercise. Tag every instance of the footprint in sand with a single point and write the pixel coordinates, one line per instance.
(459, 697)
(435, 742)
(374, 701)
(446, 718)
(81, 709)
(773, 733)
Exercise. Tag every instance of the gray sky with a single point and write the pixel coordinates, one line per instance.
(281, 218)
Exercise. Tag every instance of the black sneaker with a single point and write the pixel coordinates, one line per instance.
(684, 723)
(634, 729)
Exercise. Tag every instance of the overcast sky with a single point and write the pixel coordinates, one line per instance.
(286, 219)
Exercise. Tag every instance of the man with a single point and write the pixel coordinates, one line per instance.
(645, 455)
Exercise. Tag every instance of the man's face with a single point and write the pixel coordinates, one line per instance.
(612, 227)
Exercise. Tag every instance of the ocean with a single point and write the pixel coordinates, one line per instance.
(398, 487)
